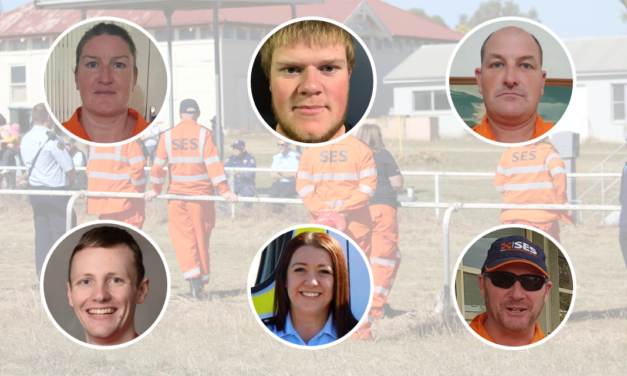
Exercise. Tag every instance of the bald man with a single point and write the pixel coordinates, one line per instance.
(511, 81)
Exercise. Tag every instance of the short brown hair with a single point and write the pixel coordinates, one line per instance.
(309, 32)
(110, 237)
(106, 29)
(340, 305)
(40, 113)
(370, 134)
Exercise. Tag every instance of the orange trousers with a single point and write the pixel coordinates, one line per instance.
(552, 228)
(190, 224)
(135, 216)
(385, 258)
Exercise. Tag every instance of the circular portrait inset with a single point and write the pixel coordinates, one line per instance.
(312, 80)
(514, 287)
(510, 81)
(105, 81)
(310, 286)
(105, 284)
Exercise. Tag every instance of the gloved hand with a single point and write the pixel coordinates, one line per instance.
(332, 219)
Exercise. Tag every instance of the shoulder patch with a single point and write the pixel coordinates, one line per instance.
(60, 145)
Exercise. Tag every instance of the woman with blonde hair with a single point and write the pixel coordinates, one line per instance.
(312, 292)
(385, 256)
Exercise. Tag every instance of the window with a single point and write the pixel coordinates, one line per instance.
(255, 34)
(387, 45)
(41, 43)
(206, 33)
(18, 45)
(187, 34)
(434, 100)
(3, 45)
(241, 33)
(378, 43)
(618, 102)
(398, 46)
(161, 35)
(366, 41)
(18, 84)
(227, 32)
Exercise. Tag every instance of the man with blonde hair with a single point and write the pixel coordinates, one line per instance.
(309, 64)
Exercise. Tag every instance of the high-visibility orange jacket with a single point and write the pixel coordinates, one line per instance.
(484, 129)
(532, 174)
(76, 128)
(115, 169)
(193, 162)
(340, 176)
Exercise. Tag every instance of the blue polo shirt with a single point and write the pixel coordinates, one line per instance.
(53, 161)
(326, 335)
(289, 162)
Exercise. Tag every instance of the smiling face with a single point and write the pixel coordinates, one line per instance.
(309, 86)
(514, 309)
(511, 77)
(310, 282)
(104, 292)
(105, 76)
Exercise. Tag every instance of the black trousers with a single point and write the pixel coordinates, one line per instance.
(282, 189)
(49, 214)
(622, 239)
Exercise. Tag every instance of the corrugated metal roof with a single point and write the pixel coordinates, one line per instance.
(598, 55)
(28, 21)
(429, 62)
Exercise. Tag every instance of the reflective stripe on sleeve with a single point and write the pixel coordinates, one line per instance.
(206, 277)
(159, 161)
(141, 158)
(157, 180)
(211, 160)
(306, 189)
(528, 186)
(190, 177)
(522, 170)
(366, 189)
(367, 172)
(138, 182)
(201, 138)
(218, 179)
(381, 290)
(557, 170)
(546, 161)
(304, 175)
(335, 176)
(336, 203)
(382, 261)
(499, 188)
(191, 273)
(105, 175)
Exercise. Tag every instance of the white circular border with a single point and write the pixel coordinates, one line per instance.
(363, 117)
(97, 224)
(572, 273)
(252, 272)
(95, 19)
(448, 84)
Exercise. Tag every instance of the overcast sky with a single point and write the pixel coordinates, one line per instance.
(568, 19)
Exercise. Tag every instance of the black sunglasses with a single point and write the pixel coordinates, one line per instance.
(506, 280)
(281, 144)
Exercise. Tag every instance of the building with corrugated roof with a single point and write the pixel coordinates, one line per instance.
(598, 106)
(390, 33)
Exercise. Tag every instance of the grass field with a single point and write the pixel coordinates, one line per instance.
(221, 336)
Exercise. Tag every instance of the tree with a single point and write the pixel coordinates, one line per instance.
(491, 9)
(0, 7)
(423, 14)
(623, 14)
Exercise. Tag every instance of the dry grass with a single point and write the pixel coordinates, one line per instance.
(221, 336)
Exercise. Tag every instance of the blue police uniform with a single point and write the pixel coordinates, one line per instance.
(284, 188)
(244, 181)
(49, 173)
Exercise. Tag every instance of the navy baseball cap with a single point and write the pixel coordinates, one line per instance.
(188, 103)
(511, 249)
(238, 144)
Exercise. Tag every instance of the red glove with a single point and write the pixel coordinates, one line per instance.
(331, 219)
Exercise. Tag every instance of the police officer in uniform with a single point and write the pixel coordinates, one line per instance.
(53, 169)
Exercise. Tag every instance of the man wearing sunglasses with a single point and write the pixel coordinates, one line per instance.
(514, 283)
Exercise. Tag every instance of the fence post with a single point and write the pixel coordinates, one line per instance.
(232, 188)
(447, 258)
(437, 195)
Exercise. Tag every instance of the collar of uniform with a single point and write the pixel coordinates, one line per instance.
(483, 129)
(289, 154)
(188, 121)
(327, 329)
(40, 128)
(477, 325)
(75, 127)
